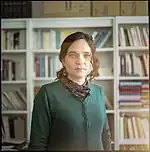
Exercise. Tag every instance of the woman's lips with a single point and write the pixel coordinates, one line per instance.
(82, 69)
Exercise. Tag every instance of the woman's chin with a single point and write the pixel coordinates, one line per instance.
(83, 75)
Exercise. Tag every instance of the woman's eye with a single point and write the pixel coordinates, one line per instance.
(72, 55)
(87, 56)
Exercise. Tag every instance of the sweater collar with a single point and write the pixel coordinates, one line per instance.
(78, 91)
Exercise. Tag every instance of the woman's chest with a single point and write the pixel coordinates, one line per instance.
(74, 112)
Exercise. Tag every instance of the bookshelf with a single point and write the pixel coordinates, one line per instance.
(37, 51)
(132, 44)
(14, 78)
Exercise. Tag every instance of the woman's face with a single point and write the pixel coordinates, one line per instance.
(78, 59)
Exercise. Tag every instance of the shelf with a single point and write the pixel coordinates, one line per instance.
(72, 22)
(98, 50)
(9, 112)
(134, 48)
(133, 78)
(52, 78)
(134, 142)
(104, 78)
(56, 51)
(109, 111)
(14, 82)
(13, 51)
(134, 110)
(132, 19)
(46, 51)
(13, 23)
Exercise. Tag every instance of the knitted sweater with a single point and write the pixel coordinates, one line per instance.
(62, 122)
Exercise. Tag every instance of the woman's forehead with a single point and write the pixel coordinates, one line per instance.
(79, 46)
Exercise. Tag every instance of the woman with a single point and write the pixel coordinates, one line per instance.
(69, 113)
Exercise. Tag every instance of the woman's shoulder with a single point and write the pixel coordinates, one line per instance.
(97, 92)
(96, 87)
(51, 85)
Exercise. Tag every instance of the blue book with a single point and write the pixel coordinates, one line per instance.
(105, 38)
(57, 39)
(130, 83)
(42, 66)
(101, 37)
(39, 34)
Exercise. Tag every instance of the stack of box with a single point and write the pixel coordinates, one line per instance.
(90, 8)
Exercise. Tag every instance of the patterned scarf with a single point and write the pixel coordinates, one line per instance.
(78, 91)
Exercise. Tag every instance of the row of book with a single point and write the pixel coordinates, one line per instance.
(133, 65)
(14, 100)
(101, 37)
(46, 66)
(13, 69)
(49, 38)
(13, 127)
(134, 36)
(134, 94)
(13, 133)
(134, 127)
(14, 145)
(130, 65)
(13, 39)
(16, 9)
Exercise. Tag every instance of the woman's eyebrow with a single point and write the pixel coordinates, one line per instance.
(79, 52)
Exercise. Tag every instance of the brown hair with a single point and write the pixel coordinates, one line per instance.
(64, 49)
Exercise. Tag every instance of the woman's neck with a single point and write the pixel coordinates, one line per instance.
(78, 81)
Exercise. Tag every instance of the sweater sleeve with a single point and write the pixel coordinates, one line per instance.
(106, 136)
(41, 122)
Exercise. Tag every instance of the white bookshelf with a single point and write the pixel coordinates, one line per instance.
(134, 78)
(128, 22)
(133, 142)
(134, 110)
(16, 55)
(13, 82)
(77, 24)
(11, 112)
(109, 59)
(13, 51)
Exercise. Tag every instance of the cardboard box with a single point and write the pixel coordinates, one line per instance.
(105, 8)
(142, 8)
(37, 5)
(66, 8)
(128, 8)
(134, 8)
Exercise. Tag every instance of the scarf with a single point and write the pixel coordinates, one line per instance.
(78, 91)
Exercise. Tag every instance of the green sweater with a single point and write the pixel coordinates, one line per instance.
(61, 122)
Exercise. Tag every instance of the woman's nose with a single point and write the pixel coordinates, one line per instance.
(80, 59)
